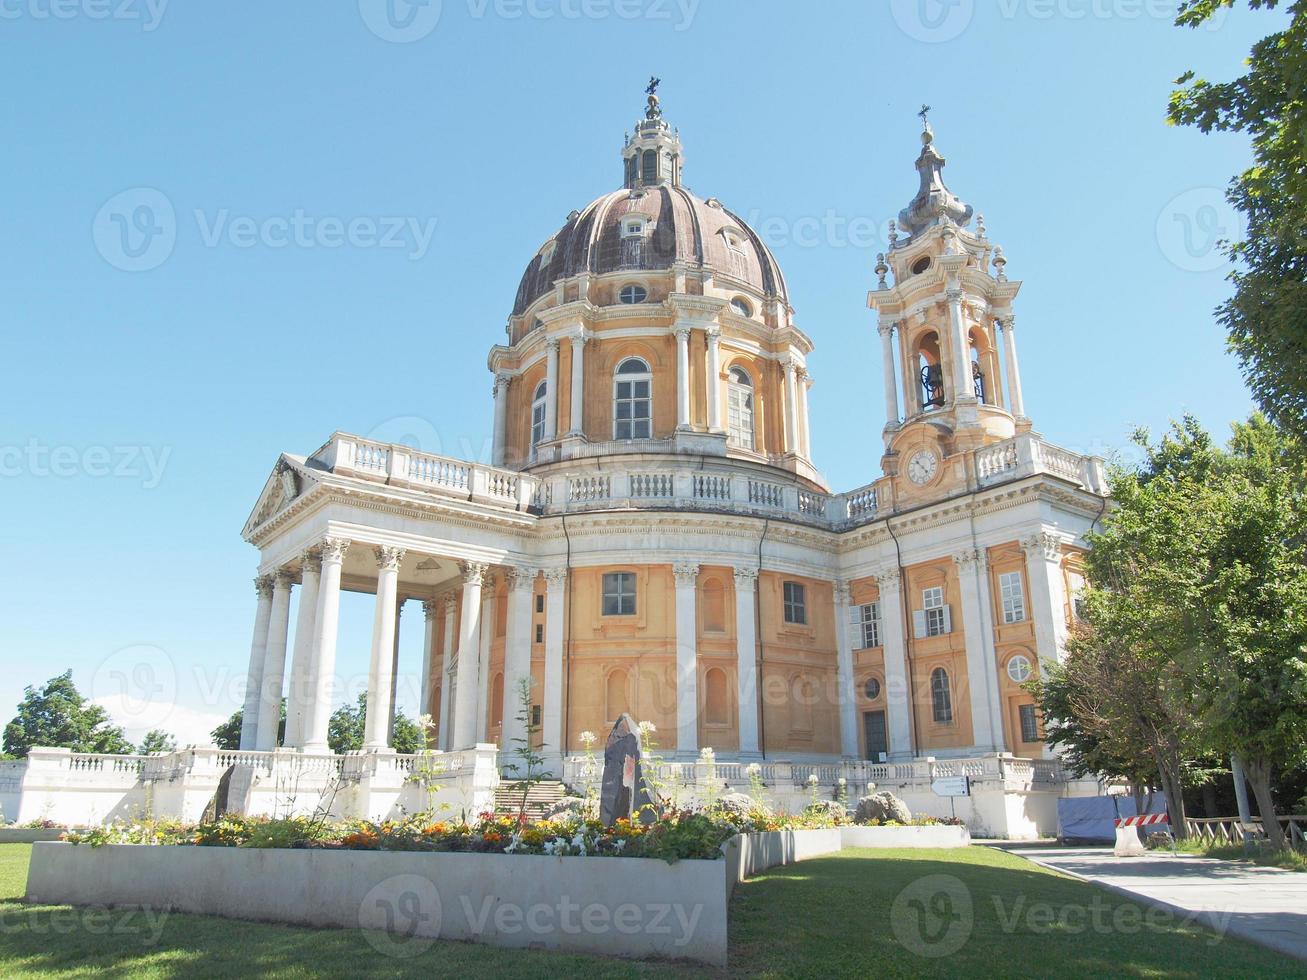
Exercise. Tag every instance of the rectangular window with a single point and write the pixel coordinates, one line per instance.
(540, 633)
(540, 603)
(619, 593)
(869, 622)
(1014, 597)
(932, 602)
(1029, 723)
(796, 606)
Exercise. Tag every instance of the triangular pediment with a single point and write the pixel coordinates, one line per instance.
(287, 483)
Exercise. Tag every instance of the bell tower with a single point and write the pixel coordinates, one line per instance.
(653, 155)
(946, 330)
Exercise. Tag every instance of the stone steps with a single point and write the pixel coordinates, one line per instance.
(540, 798)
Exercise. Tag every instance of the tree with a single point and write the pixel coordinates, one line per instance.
(228, 734)
(1266, 318)
(59, 717)
(156, 741)
(346, 726)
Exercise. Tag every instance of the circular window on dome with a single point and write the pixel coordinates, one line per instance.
(741, 306)
(633, 294)
(1019, 669)
(921, 265)
(872, 688)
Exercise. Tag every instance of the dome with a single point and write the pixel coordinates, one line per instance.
(652, 228)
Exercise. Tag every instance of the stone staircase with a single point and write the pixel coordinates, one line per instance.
(539, 798)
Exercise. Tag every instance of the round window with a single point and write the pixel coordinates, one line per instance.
(921, 265)
(741, 306)
(1018, 669)
(872, 689)
(633, 294)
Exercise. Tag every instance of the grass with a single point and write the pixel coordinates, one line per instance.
(1287, 859)
(831, 917)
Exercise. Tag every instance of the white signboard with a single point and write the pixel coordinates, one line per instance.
(951, 786)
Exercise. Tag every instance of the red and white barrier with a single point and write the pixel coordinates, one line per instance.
(1128, 843)
(1143, 820)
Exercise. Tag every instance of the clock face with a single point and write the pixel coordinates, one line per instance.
(922, 466)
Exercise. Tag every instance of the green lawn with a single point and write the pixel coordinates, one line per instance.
(839, 916)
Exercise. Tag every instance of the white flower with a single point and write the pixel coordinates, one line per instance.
(647, 727)
(812, 779)
(753, 769)
(843, 781)
(707, 754)
(588, 738)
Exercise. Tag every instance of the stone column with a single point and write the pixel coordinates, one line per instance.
(962, 388)
(886, 331)
(502, 382)
(299, 693)
(1047, 595)
(469, 636)
(447, 666)
(804, 383)
(986, 717)
(517, 663)
(898, 686)
(848, 696)
(746, 657)
(274, 663)
(1016, 405)
(326, 623)
(553, 736)
(429, 608)
(381, 671)
(551, 390)
(791, 407)
(483, 656)
(713, 394)
(577, 420)
(258, 651)
(682, 377)
(687, 661)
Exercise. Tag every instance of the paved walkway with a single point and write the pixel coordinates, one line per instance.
(1263, 905)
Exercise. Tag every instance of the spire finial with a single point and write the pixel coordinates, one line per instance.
(925, 116)
(654, 110)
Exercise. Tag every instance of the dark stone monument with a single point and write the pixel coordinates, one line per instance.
(233, 794)
(624, 791)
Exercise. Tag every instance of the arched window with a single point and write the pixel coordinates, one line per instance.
(716, 703)
(649, 167)
(977, 375)
(739, 408)
(632, 404)
(538, 414)
(615, 702)
(714, 606)
(741, 306)
(941, 698)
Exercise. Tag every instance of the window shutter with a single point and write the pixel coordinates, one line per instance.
(919, 623)
(855, 615)
(948, 621)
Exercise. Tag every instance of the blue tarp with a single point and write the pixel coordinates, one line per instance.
(1092, 817)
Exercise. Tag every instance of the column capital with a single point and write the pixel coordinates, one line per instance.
(552, 344)
(578, 339)
(713, 333)
(388, 558)
(954, 294)
(283, 578)
(429, 608)
(888, 578)
(555, 578)
(473, 572)
(521, 578)
(842, 592)
(1007, 321)
(451, 603)
(745, 576)
(686, 574)
(502, 381)
(263, 586)
(789, 365)
(333, 549)
(1045, 545)
(682, 334)
(970, 557)
(886, 328)
(311, 560)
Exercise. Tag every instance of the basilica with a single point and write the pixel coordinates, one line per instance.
(652, 534)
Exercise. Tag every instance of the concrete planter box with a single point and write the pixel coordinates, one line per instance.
(632, 907)
(905, 836)
(28, 835)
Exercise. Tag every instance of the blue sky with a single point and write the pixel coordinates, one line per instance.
(344, 197)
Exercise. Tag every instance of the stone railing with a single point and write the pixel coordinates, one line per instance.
(678, 483)
(1027, 454)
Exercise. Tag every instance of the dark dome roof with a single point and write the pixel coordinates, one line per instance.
(685, 229)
